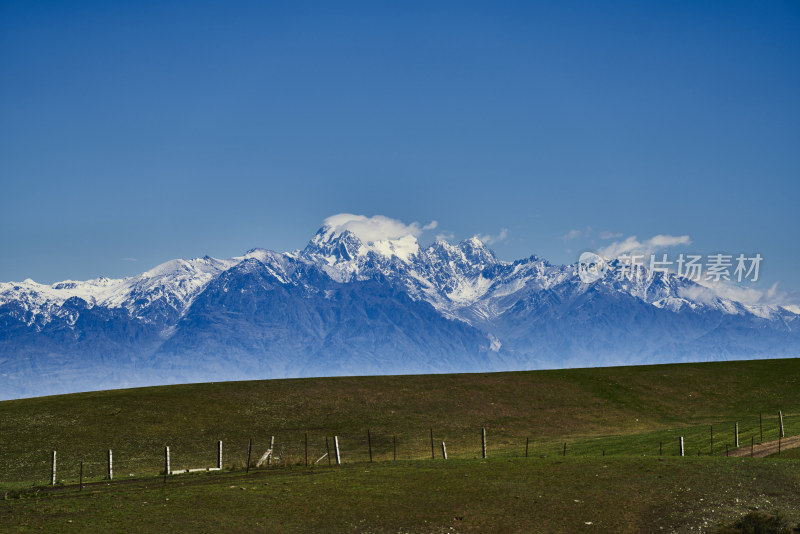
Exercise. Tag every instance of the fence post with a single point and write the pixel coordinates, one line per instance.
(660, 447)
(336, 447)
(249, 448)
(780, 421)
(726, 450)
(80, 480)
(752, 440)
(394, 447)
(712, 439)
(736, 433)
(328, 450)
(166, 463)
(761, 428)
(369, 445)
(271, 450)
(219, 455)
(110, 465)
(483, 442)
(53, 471)
(682, 449)
(565, 449)
(444, 451)
(526, 446)
(433, 454)
(306, 447)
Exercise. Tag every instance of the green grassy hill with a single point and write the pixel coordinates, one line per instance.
(624, 412)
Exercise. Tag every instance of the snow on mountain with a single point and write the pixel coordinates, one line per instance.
(166, 289)
(450, 277)
(360, 298)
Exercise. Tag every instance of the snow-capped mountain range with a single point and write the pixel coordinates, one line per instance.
(347, 305)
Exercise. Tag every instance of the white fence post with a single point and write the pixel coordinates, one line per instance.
(682, 450)
(780, 420)
(271, 449)
(219, 455)
(110, 465)
(336, 447)
(736, 434)
(444, 451)
(483, 442)
(53, 471)
(166, 460)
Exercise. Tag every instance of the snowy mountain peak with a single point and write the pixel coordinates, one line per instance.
(476, 251)
(336, 245)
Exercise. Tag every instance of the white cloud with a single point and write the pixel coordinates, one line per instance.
(488, 239)
(632, 245)
(608, 234)
(445, 236)
(375, 228)
(129, 259)
(573, 234)
(753, 296)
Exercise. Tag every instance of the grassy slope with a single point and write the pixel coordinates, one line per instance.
(581, 406)
(619, 495)
(625, 411)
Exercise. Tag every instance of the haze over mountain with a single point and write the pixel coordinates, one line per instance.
(363, 297)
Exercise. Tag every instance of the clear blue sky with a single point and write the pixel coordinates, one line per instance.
(154, 130)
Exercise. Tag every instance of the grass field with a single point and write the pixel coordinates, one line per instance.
(626, 414)
(578, 494)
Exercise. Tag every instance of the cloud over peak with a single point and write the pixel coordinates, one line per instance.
(375, 228)
(488, 239)
(632, 245)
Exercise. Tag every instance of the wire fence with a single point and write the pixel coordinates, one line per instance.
(293, 448)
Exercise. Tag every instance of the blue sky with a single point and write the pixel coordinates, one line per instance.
(152, 130)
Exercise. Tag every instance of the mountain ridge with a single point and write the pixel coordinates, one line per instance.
(346, 305)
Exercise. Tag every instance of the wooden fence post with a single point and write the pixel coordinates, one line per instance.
(271, 449)
(328, 450)
(394, 447)
(249, 449)
(80, 480)
(712, 439)
(219, 455)
(444, 451)
(752, 441)
(565, 449)
(736, 433)
(483, 442)
(110, 465)
(761, 428)
(660, 447)
(433, 454)
(336, 448)
(682, 449)
(527, 440)
(53, 471)
(726, 450)
(166, 463)
(780, 421)
(369, 445)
